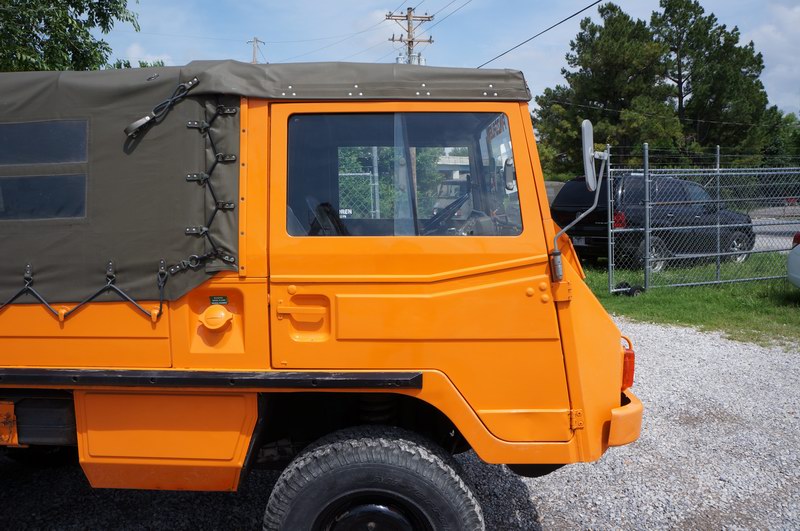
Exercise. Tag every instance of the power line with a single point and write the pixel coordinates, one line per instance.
(231, 39)
(575, 14)
(395, 49)
(448, 4)
(364, 50)
(453, 12)
(398, 7)
(647, 115)
(350, 36)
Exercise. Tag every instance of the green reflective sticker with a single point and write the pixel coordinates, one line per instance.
(219, 299)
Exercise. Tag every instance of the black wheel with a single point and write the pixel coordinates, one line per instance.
(43, 456)
(372, 478)
(622, 288)
(736, 243)
(658, 255)
(635, 291)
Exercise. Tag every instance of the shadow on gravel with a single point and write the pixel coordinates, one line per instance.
(61, 498)
(505, 498)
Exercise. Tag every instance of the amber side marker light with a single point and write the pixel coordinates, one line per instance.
(628, 362)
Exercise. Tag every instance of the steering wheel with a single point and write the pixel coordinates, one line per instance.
(436, 222)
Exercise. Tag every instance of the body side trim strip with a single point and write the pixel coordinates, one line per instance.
(227, 379)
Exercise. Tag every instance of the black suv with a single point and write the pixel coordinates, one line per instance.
(683, 219)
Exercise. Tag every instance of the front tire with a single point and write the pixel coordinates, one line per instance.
(738, 243)
(659, 255)
(372, 477)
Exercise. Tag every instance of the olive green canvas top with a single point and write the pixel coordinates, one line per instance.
(130, 176)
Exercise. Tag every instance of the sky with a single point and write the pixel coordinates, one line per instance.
(466, 33)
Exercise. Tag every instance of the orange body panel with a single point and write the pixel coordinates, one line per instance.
(164, 440)
(511, 358)
(478, 309)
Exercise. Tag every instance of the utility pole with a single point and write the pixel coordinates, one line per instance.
(409, 39)
(255, 42)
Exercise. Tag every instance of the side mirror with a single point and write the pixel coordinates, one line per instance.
(510, 175)
(587, 138)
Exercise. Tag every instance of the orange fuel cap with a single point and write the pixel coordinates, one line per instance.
(215, 317)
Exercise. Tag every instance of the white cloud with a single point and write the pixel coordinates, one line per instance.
(776, 39)
(136, 52)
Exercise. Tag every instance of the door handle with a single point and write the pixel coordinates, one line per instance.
(302, 310)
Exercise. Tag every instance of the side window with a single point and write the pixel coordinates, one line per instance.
(43, 170)
(400, 174)
(670, 191)
(697, 195)
(633, 191)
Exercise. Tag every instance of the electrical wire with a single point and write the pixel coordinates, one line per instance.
(371, 28)
(395, 49)
(230, 39)
(365, 50)
(646, 115)
(575, 14)
(450, 14)
(448, 4)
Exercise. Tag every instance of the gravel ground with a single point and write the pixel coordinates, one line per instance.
(719, 448)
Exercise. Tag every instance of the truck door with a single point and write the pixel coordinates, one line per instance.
(371, 270)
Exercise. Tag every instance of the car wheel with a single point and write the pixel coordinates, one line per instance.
(635, 291)
(372, 477)
(736, 243)
(658, 255)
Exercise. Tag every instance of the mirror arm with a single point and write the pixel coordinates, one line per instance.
(555, 256)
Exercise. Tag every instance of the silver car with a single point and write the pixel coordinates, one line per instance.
(793, 265)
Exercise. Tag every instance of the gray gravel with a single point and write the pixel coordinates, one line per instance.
(719, 448)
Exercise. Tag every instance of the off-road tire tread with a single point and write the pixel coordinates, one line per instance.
(373, 444)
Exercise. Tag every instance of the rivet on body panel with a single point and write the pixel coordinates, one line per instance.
(529, 292)
(543, 286)
(545, 298)
(292, 289)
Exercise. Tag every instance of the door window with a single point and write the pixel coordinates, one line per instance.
(400, 174)
(670, 191)
(697, 195)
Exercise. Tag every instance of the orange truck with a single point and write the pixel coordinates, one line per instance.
(223, 266)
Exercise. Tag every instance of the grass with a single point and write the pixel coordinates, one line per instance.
(761, 312)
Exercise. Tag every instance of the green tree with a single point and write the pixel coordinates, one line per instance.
(715, 79)
(56, 34)
(684, 82)
(686, 34)
(728, 99)
(614, 78)
(124, 63)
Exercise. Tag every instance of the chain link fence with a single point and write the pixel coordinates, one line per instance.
(678, 220)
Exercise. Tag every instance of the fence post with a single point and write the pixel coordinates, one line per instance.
(719, 232)
(646, 166)
(610, 205)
